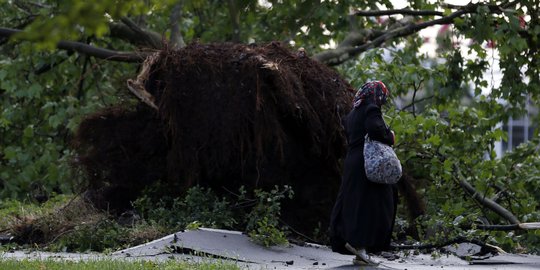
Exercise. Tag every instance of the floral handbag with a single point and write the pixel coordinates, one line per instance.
(381, 162)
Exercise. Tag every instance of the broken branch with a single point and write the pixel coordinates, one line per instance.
(486, 202)
(137, 86)
(511, 227)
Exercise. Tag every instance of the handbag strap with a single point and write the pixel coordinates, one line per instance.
(366, 138)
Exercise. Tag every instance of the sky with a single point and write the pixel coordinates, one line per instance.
(492, 76)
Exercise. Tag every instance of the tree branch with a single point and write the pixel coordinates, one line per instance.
(404, 11)
(511, 227)
(88, 49)
(342, 54)
(124, 32)
(234, 14)
(150, 38)
(46, 67)
(176, 39)
(488, 203)
(352, 39)
(417, 101)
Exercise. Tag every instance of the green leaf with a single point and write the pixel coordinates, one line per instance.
(28, 131)
(10, 153)
(34, 91)
(435, 140)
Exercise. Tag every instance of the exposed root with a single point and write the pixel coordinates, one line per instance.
(228, 115)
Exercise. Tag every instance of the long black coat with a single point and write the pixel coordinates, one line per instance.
(364, 212)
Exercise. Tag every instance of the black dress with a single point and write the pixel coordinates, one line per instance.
(364, 212)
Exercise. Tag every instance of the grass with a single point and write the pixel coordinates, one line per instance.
(68, 223)
(111, 264)
(11, 210)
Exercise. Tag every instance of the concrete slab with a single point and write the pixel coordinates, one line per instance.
(221, 244)
(209, 244)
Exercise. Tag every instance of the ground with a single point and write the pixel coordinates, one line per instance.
(211, 244)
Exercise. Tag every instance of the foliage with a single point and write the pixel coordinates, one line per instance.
(39, 113)
(266, 234)
(202, 208)
(268, 206)
(263, 220)
(66, 223)
(199, 207)
(112, 264)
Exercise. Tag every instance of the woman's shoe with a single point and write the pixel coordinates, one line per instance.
(357, 260)
(361, 257)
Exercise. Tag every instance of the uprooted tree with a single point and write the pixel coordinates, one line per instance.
(224, 115)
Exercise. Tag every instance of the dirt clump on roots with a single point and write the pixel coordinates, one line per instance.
(226, 115)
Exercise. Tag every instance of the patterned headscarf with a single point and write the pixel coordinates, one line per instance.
(374, 90)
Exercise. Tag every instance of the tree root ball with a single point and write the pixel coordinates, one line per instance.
(228, 115)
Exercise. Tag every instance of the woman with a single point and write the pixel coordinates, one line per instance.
(363, 216)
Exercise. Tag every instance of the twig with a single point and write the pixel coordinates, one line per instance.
(46, 67)
(404, 11)
(457, 240)
(417, 101)
(81, 79)
(414, 97)
(297, 232)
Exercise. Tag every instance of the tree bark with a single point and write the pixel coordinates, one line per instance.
(155, 43)
(176, 39)
(234, 14)
(122, 31)
(488, 203)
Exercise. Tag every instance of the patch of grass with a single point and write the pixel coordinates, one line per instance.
(112, 264)
(11, 210)
(70, 224)
(47, 224)
(106, 236)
